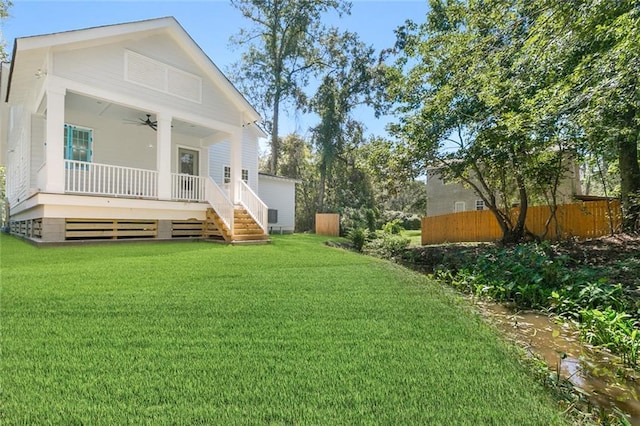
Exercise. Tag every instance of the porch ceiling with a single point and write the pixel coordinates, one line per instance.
(113, 111)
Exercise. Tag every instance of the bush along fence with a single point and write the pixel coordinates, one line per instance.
(587, 219)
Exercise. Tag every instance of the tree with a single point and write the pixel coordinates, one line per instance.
(391, 170)
(281, 52)
(501, 93)
(298, 162)
(346, 83)
(589, 50)
(4, 14)
(462, 101)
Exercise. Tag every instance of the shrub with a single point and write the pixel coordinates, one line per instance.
(358, 237)
(351, 219)
(387, 245)
(408, 221)
(393, 227)
(531, 277)
(615, 330)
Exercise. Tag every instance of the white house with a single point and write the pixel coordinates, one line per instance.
(279, 194)
(127, 131)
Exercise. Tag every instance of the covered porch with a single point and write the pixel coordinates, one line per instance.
(96, 145)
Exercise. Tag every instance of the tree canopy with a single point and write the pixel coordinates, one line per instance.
(282, 50)
(499, 93)
(4, 13)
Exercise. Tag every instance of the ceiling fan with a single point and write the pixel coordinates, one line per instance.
(144, 122)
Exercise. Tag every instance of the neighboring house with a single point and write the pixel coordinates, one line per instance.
(127, 131)
(279, 193)
(452, 197)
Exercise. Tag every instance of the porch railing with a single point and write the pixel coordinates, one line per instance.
(254, 205)
(101, 179)
(220, 202)
(187, 187)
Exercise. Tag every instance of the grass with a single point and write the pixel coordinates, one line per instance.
(290, 333)
(414, 235)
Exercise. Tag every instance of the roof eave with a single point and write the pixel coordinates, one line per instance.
(13, 61)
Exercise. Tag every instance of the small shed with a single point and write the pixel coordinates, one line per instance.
(279, 194)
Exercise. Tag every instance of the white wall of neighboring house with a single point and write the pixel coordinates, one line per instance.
(279, 194)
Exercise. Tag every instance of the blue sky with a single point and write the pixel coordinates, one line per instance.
(211, 24)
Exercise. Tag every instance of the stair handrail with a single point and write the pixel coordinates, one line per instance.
(220, 202)
(256, 208)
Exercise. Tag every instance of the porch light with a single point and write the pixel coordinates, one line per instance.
(40, 73)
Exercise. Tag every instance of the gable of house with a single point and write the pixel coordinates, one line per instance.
(150, 63)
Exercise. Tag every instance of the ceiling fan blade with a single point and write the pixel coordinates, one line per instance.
(143, 122)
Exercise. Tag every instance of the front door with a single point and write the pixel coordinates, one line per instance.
(189, 161)
(189, 187)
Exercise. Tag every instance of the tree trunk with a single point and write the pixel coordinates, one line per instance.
(275, 141)
(321, 187)
(503, 223)
(629, 177)
(517, 234)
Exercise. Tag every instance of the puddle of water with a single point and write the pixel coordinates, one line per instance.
(600, 375)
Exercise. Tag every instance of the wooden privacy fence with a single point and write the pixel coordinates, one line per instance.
(328, 224)
(587, 219)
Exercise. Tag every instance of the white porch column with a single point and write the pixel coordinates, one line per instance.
(163, 150)
(236, 166)
(54, 147)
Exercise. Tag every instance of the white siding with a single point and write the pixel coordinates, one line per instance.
(104, 67)
(220, 156)
(37, 146)
(18, 170)
(279, 194)
(4, 114)
(250, 158)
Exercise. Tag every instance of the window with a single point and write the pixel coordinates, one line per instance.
(227, 175)
(77, 143)
(459, 206)
(479, 204)
(272, 216)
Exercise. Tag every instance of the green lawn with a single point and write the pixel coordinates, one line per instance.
(290, 333)
(415, 236)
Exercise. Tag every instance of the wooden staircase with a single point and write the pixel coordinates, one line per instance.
(245, 228)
